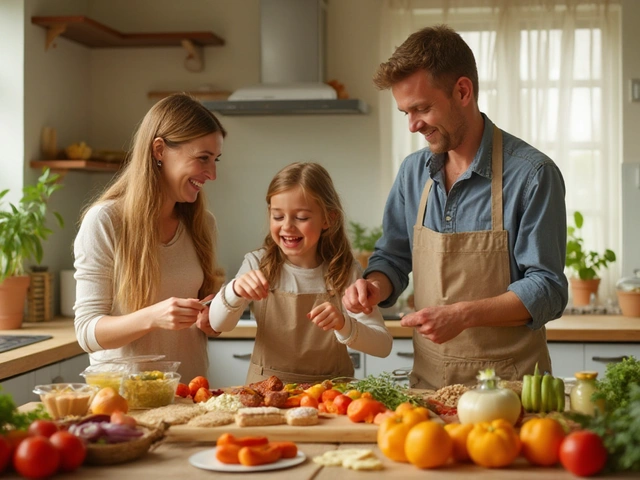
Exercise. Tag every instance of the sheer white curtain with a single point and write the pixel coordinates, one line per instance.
(549, 73)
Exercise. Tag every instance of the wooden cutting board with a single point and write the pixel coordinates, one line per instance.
(337, 429)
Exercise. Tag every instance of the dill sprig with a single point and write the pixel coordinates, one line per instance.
(386, 390)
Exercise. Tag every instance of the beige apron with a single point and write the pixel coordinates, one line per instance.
(287, 341)
(467, 266)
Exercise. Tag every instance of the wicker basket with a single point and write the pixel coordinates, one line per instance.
(115, 453)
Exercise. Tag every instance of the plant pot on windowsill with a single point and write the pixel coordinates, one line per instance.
(363, 241)
(584, 264)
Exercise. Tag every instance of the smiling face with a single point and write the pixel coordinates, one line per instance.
(296, 222)
(432, 113)
(187, 166)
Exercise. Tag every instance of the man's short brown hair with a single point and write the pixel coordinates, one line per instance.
(438, 50)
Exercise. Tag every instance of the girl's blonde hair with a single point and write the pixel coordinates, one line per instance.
(334, 247)
(138, 197)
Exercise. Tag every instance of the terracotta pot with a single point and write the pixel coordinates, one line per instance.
(13, 292)
(629, 303)
(582, 290)
(363, 258)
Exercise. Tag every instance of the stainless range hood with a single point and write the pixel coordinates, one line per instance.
(292, 66)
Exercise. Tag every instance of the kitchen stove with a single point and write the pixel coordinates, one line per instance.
(9, 342)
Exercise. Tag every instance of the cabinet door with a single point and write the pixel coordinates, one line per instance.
(228, 362)
(71, 368)
(358, 359)
(20, 388)
(400, 360)
(599, 355)
(567, 358)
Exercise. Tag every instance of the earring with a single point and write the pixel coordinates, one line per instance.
(159, 163)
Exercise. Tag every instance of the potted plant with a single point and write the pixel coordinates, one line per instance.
(363, 241)
(22, 230)
(584, 264)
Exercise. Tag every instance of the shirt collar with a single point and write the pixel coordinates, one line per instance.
(481, 163)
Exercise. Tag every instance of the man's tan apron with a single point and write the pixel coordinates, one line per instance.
(467, 266)
(287, 341)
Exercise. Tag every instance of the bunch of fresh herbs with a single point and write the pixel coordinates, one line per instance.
(386, 390)
(12, 419)
(615, 387)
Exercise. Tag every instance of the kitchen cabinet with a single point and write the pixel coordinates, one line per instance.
(567, 358)
(229, 362)
(21, 387)
(400, 359)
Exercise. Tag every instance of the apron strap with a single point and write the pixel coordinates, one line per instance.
(422, 209)
(497, 220)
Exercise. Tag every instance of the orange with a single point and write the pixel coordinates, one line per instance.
(459, 433)
(541, 439)
(108, 401)
(392, 434)
(428, 445)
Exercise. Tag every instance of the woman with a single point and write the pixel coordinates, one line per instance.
(145, 251)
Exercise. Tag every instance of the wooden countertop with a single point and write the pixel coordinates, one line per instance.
(570, 328)
(63, 345)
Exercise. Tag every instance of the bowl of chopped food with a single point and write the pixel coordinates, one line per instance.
(65, 399)
(149, 388)
(107, 374)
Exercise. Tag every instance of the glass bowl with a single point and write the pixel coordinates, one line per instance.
(149, 389)
(163, 366)
(64, 399)
(105, 374)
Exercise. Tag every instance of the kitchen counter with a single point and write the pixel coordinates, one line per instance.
(63, 345)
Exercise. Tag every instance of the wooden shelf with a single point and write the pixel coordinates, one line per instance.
(198, 95)
(93, 34)
(84, 165)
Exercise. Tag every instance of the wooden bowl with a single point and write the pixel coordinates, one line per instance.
(114, 453)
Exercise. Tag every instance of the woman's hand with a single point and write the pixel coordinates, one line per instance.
(176, 313)
(251, 286)
(327, 317)
(203, 319)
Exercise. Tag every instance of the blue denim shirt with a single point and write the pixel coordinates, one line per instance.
(534, 216)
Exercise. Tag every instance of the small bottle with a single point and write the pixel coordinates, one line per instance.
(581, 394)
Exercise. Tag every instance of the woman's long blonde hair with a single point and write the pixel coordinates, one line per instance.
(334, 247)
(138, 197)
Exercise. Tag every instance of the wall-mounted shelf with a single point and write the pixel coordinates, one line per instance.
(81, 165)
(93, 34)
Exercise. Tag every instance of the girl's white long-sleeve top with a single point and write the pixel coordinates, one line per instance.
(364, 332)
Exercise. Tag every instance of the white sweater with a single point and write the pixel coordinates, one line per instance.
(364, 332)
(180, 276)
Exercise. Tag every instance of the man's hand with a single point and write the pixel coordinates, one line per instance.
(251, 286)
(361, 296)
(327, 317)
(439, 324)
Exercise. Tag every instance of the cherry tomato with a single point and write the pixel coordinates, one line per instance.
(45, 428)
(5, 453)
(308, 401)
(36, 457)
(72, 450)
(583, 453)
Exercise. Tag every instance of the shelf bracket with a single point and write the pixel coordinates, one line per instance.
(53, 32)
(195, 59)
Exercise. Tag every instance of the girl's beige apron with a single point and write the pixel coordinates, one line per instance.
(455, 267)
(287, 341)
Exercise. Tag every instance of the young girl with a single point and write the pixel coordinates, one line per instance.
(296, 281)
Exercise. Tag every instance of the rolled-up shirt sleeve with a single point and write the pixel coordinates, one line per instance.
(540, 247)
(94, 253)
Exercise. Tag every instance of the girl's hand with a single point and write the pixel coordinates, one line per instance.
(176, 313)
(203, 319)
(327, 317)
(251, 286)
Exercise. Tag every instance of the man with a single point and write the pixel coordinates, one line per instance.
(478, 216)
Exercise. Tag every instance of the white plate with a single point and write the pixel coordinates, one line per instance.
(207, 460)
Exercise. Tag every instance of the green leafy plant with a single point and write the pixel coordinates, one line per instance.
(362, 238)
(584, 263)
(23, 226)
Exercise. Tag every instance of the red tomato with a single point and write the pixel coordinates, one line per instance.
(72, 450)
(14, 437)
(45, 428)
(329, 395)
(308, 401)
(5, 453)
(341, 403)
(36, 457)
(583, 453)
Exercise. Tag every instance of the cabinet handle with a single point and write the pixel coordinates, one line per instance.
(405, 354)
(242, 356)
(355, 359)
(401, 373)
(609, 359)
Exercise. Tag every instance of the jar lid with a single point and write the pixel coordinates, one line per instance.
(630, 284)
(588, 375)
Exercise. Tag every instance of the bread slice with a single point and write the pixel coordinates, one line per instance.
(302, 416)
(259, 417)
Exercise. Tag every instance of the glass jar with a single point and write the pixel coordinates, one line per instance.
(581, 393)
(628, 290)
